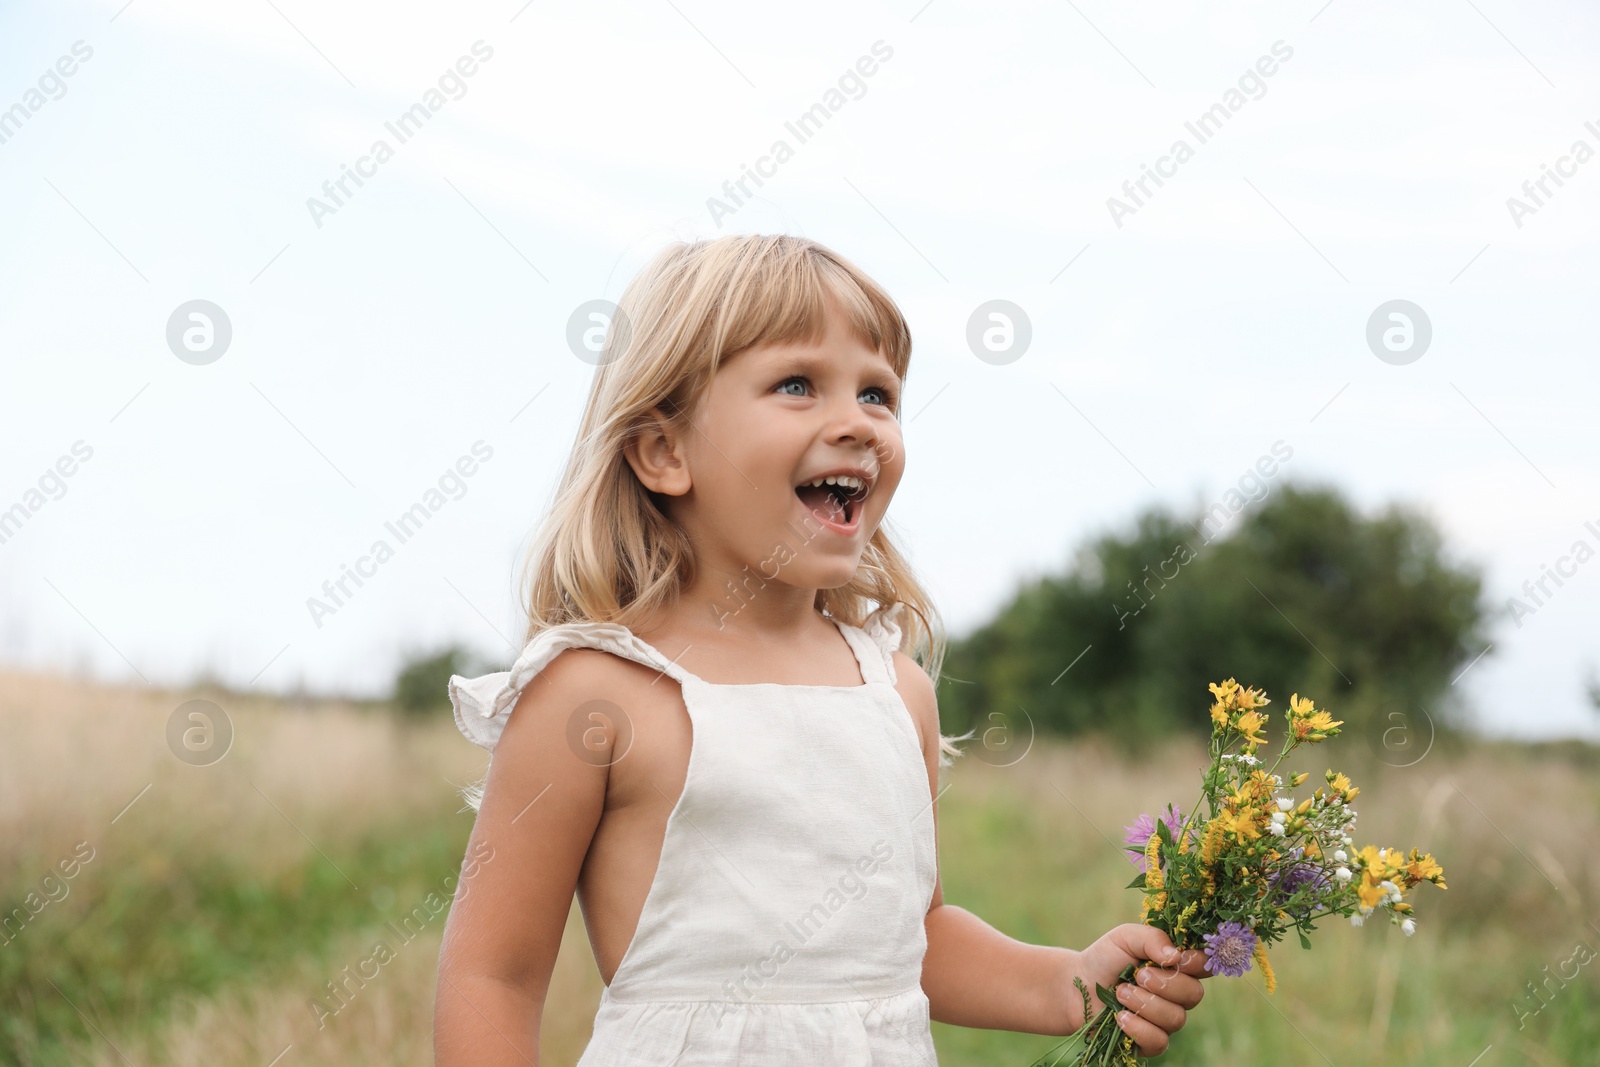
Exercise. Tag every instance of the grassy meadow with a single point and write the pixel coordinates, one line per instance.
(209, 906)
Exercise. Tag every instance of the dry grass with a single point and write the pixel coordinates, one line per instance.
(388, 1021)
(77, 755)
(1032, 847)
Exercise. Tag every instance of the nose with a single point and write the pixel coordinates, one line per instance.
(847, 423)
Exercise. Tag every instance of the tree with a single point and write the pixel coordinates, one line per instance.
(1304, 595)
(422, 685)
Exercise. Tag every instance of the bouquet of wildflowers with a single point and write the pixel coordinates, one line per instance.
(1257, 865)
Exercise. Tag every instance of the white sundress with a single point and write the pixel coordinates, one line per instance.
(784, 924)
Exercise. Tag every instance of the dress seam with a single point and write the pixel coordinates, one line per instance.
(761, 1003)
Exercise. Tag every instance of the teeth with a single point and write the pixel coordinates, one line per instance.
(847, 481)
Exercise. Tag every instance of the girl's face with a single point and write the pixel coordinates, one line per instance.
(778, 418)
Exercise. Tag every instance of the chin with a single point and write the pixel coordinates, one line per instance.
(829, 574)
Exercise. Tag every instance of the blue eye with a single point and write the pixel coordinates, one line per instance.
(795, 381)
(883, 394)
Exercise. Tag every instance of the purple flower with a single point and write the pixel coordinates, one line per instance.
(1137, 836)
(1296, 877)
(1228, 951)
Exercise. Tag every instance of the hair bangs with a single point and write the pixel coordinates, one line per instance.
(782, 297)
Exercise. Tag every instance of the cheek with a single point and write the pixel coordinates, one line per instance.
(891, 470)
(891, 454)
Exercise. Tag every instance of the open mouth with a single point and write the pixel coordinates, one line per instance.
(835, 499)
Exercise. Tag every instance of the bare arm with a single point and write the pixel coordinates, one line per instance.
(976, 976)
(540, 808)
(973, 974)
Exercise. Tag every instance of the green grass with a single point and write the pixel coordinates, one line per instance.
(135, 937)
(1036, 869)
(152, 923)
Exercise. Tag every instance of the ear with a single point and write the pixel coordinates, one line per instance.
(656, 456)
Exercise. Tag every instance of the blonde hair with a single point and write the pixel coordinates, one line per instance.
(605, 551)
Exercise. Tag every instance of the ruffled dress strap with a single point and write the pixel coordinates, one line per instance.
(483, 704)
(882, 630)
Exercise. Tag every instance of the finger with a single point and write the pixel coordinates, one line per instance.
(1152, 1009)
(1151, 1039)
(1193, 961)
(1147, 943)
(1182, 989)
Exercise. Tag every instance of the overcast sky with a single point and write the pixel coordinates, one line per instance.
(1355, 154)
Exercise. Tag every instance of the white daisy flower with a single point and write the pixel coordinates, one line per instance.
(1408, 927)
(1342, 873)
(1285, 804)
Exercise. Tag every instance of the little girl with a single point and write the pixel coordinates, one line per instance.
(736, 762)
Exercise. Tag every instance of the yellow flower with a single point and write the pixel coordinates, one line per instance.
(1371, 894)
(1420, 867)
(1224, 691)
(1242, 823)
(1266, 968)
(1308, 724)
(1262, 784)
(1252, 698)
(1248, 726)
(1152, 860)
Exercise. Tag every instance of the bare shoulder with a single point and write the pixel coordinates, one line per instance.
(582, 695)
(916, 689)
(543, 801)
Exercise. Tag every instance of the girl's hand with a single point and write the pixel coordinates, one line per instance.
(1157, 1003)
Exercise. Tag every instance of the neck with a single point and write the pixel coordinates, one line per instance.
(742, 598)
